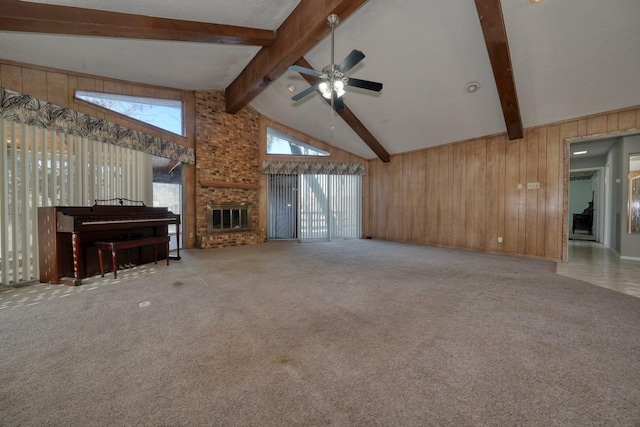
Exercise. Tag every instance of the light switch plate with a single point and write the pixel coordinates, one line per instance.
(533, 185)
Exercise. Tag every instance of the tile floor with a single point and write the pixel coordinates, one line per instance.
(596, 264)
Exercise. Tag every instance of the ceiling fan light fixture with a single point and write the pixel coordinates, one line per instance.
(325, 89)
(329, 86)
(332, 81)
(338, 86)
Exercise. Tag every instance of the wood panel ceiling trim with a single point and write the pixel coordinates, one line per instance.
(302, 30)
(351, 119)
(30, 17)
(495, 37)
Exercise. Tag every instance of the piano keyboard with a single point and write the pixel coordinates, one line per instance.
(126, 221)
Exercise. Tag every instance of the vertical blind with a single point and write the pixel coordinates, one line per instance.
(317, 206)
(282, 199)
(345, 221)
(46, 168)
(314, 207)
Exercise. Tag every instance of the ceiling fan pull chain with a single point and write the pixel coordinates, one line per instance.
(332, 116)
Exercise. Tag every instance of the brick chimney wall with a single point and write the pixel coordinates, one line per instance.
(227, 151)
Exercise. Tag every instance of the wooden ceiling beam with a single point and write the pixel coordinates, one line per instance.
(495, 37)
(302, 30)
(350, 118)
(32, 17)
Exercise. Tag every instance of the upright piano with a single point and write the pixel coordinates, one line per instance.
(67, 236)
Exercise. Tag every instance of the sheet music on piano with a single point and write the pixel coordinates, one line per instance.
(121, 202)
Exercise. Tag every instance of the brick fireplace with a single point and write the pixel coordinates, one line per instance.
(227, 171)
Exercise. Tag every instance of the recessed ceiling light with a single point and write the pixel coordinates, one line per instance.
(291, 88)
(472, 87)
(577, 153)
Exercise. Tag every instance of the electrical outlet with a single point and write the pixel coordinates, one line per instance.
(533, 185)
(499, 239)
(519, 186)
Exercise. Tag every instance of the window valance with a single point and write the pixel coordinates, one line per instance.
(311, 168)
(26, 109)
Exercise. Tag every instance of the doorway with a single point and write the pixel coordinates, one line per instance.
(314, 207)
(585, 207)
(283, 207)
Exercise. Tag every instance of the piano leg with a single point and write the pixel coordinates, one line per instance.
(101, 261)
(114, 260)
(75, 242)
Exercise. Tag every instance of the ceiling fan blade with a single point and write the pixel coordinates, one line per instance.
(351, 61)
(338, 103)
(305, 70)
(364, 84)
(305, 92)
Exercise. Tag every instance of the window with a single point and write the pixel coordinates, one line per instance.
(162, 113)
(167, 191)
(46, 168)
(281, 143)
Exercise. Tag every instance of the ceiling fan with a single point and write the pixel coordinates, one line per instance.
(333, 77)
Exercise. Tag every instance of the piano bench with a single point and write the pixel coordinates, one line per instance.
(116, 245)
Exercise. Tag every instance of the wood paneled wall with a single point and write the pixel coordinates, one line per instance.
(465, 194)
(58, 87)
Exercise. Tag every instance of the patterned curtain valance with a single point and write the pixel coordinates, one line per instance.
(311, 168)
(26, 109)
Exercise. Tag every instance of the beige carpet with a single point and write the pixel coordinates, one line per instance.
(331, 333)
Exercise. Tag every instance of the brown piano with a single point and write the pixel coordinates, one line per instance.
(67, 236)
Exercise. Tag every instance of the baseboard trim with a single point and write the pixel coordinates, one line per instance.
(630, 258)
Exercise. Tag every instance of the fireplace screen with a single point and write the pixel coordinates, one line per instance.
(228, 217)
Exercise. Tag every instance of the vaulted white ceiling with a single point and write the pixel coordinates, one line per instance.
(570, 58)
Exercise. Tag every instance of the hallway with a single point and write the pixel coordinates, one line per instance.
(596, 264)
